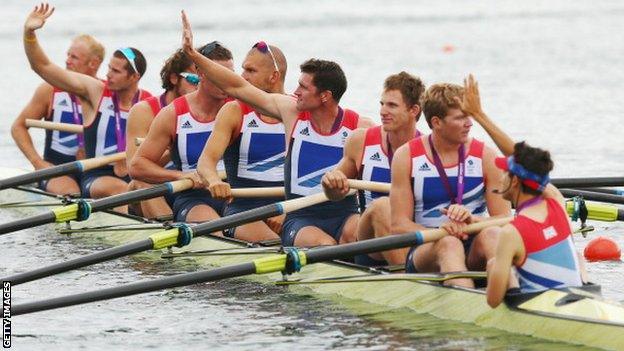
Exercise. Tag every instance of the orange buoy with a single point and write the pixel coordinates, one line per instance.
(448, 48)
(602, 249)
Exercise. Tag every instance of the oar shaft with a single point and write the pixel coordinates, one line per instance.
(378, 187)
(47, 173)
(131, 196)
(63, 127)
(136, 288)
(105, 255)
(97, 162)
(587, 182)
(259, 192)
(29, 222)
(594, 196)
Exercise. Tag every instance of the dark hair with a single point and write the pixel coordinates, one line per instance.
(216, 51)
(326, 75)
(175, 64)
(532, 159)
(411, 87)
(139, 61)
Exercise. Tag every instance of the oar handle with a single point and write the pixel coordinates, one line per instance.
(180, 185)
(63, 127)
(307, 201)
(277, 191)
(429, 235)
(96, 162)
(378, 187)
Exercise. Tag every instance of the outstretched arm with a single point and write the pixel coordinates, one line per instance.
(75, 83)
(276, 105)
(471, 105)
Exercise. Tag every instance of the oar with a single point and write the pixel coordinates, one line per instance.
(61, 170)
(587, 182)
(180, 236)
(81, 210)
(593, 196)
(63, 127)
(291, 261)
(604, 190)
(599, 212)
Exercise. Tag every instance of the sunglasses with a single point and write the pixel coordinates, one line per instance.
(264, 48)
(209, 48)
(192, 78)
(130, 56)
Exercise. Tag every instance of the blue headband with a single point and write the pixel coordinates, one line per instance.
(530, 179)
(130, 56)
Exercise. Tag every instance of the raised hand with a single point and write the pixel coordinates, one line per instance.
(471, 103)
(37, 18)
(187, 35)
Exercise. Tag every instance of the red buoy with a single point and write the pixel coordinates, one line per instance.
(602, 249)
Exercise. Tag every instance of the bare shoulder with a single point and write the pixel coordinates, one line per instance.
(366, 122)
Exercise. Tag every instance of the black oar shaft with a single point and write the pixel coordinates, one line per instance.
(47, 173)
(28, 222)
(237, 219)
(131, 196)
(593, 196)
(604, 190)
(390, 242)
(136, 288)
(105, 255)
(587, 182)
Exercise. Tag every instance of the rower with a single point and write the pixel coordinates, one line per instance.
(183, 127)
(535, 251)
(367, 156)
(316, 129)
(83, 56)
(251, 145)
(178, 77)
(448, 174)
(105, 105)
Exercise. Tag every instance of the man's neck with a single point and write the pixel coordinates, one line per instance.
(324, 117)
(400, 136)
(126, 96)
(203, 106)
(443, 146)
(171, 95)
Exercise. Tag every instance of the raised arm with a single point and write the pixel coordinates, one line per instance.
(471, 105)
(37, 108)
(276, 105)
(79, 84)
(496, 205)
(226, 125)
(334, 182)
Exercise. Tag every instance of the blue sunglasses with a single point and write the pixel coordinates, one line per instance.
(192, 78)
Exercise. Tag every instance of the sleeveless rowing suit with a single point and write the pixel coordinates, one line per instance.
(254, 158)
(189, 138)
(310, 155)
(61, 147)
(374, 167)
(106, 135)
(550, 260)
(430, 195)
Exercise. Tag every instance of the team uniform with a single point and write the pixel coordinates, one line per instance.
(310, 155)
(431, 195)
(189, 138)
(374, 167)
(254, 158)
(61, 147)
(106, 135)
(550, 261)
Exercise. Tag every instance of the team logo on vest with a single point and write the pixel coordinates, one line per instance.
(375, 157)
(111, 107)
(63, 103)
(424, 167)
(305, 131)
(187, 125)
(252, 124)
(549, 233)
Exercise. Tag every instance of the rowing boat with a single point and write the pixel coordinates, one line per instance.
(577, 316)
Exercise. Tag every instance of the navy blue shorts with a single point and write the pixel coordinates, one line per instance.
(242, 205)
(331, 225)
(409, 262)
(89, 177)
(188, 199)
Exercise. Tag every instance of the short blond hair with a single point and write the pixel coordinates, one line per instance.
(439, 99)
(95, 47)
